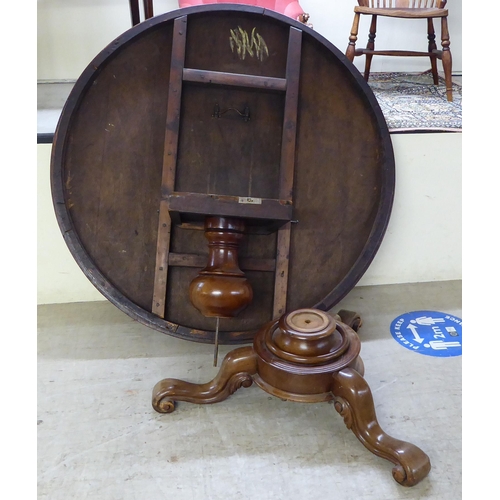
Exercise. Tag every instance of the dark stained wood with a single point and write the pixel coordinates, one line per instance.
(287, 167)
(148, 9)
(174, 105)
(199, 261)
(281, 273)
(162, 260)
(169, 163)
(231, 206)
(358, 197)
(405, 53)
(221, 78)
(108, 177)
(134, 12)
(228, 155)
(445, 56)
(95, 194)
(213, 40)
(287, 164)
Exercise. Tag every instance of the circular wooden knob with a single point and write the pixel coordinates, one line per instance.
(221, 288)
(307, 336)
(312, 323)
(306, 332)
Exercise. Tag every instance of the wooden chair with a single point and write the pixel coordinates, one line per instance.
(135, 12)
(290, 8)
(406, 9)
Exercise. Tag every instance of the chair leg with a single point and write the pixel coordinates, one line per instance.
(431, 37)
(446, 57)
(370, 46)
(134, 12)
(148, 9)
(351, 48)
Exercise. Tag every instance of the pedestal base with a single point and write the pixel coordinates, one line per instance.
(306, 356)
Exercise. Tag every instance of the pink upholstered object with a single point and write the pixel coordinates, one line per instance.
(290, 8)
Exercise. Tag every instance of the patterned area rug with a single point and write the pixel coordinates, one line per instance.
(411, 102)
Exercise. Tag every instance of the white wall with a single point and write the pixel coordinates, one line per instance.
(72, 32)
(422, 243)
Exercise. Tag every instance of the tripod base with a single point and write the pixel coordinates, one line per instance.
(305, 356)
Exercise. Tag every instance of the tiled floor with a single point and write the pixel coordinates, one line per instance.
(100, 438)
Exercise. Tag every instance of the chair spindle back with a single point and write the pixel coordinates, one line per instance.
(403, 4)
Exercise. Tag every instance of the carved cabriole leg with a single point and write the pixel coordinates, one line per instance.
(431, 37)
(370, 46)
(350, 318)
(353, 400)
(236, 371)
(351, 48)
(305, 356)
(446, 57)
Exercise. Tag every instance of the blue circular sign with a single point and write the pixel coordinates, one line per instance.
(431, 333)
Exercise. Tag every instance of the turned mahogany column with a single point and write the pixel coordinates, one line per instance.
(221, 289)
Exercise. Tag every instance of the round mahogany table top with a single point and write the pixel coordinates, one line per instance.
(108, 157)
